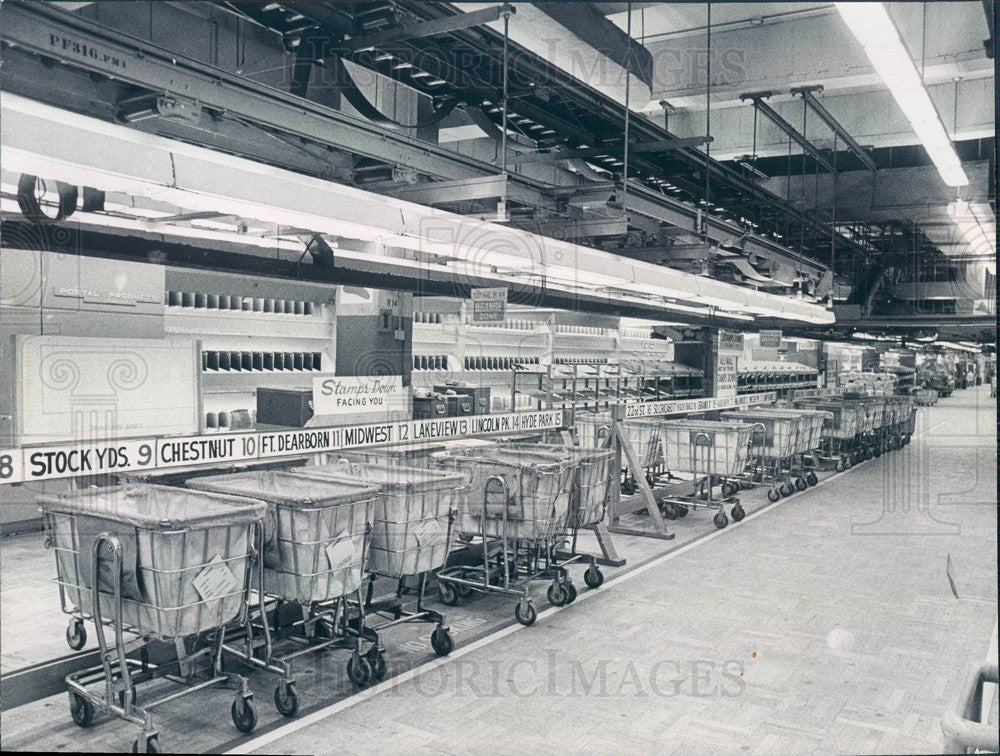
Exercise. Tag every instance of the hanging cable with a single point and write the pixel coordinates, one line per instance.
(628, 92)
(708, 103)
(506, 41)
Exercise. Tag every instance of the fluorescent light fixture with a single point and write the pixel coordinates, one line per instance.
(872, 26)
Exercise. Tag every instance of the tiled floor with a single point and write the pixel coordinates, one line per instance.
(824, 624)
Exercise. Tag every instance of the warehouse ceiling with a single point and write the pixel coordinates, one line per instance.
(612, 139)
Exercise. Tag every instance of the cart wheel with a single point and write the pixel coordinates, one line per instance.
(441, 641)
(629, 488)
(464, 591)
(811, 479)
(682, 510)
(528, 616)
(729, 488)
(800, 484)
(787, 489)
(669, 510)
(286, 700)
(745, 485)
(848, 462)
(906, 439)
(557, 595)
(570, 592)
(244, 714)
(738, 513)
(773, 494)
(593, 577)
(447, 593)
(376, 660)
(152, 745)
(81, 710)
(721, 520)
(876, 452)
(76, 635)
(359, 670)
(840, 467)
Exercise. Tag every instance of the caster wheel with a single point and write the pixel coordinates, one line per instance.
(773, 494)
(682, 510)
(876, 452)
(669, 510)
(811, 479)
(464, 591)
(570, 592)
(359, 671)
(738, 513)
(787, 489)
(376, 660)
(447, 593)
(593, 577)
(76, 635)
(557, 595)
(800, 484)
(720, 520)
(441, 641)
(526, 616)
(81, 710)
(848, 463)
(729, 488)
(745, 485)
(152, 745)
(286, 700)
(244, 715)
(839, 467)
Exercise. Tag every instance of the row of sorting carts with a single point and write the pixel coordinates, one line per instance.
(780, 447)
(267, 566)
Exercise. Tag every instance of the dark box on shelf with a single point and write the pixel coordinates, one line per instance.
(283, 406)
(480, 395)
(425, 407)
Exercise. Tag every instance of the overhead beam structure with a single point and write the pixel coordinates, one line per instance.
(433, 28)
(806, 93)
(796, 136)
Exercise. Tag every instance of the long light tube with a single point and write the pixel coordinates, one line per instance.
(872, 26)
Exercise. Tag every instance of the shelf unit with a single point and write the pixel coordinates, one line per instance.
(760, 376)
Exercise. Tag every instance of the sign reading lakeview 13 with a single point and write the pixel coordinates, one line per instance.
(770, 339)
(351, 394)
(489, 305)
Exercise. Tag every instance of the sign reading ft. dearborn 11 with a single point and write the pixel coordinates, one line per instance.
(489, 305)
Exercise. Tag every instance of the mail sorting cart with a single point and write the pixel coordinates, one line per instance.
(872, 416)
(838, 438)
(313, 559)
(166, 564)
(590, 481)
(710, 451)
(517, 506)
(902, 421)
(773, 446)
(925, 397)
(592, 430)
(411, 534)
(808, 440)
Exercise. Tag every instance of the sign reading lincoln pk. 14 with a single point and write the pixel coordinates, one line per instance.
(348, 395)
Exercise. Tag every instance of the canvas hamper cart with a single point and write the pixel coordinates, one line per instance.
(411, 533)
(314, 553)
(167, 564)
(775, 442)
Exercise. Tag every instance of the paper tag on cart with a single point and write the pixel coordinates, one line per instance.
(429, 533)
(216, 580)
(340, 553)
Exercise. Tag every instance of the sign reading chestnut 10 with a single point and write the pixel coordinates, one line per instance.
(489, 305)
(346, 395)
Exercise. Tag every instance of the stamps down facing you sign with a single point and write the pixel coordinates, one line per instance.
(489, 305)
(350, 395)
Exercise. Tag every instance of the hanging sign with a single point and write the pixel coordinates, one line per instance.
(730, 342)
(489, 305)
(770, 339)
(683, 406)
(348, 395)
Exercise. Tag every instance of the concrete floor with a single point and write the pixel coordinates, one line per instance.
(825, 623)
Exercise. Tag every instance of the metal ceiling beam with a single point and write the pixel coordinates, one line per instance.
(577, 228)
(460, 190)
(817, 107)
(781, 123)
(445, 25)
(661, 146)
(587, 23)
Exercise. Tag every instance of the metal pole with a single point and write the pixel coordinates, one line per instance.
(708, 102)
(506, 39)
(628, 91)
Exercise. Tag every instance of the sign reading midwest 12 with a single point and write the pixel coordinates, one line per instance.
(344, 395)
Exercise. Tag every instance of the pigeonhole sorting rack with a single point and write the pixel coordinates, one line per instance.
(773, 446)
(165, 564)
(411, 535)
(593, 428)
(710, 451)
(313, 558)
(517, 506)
